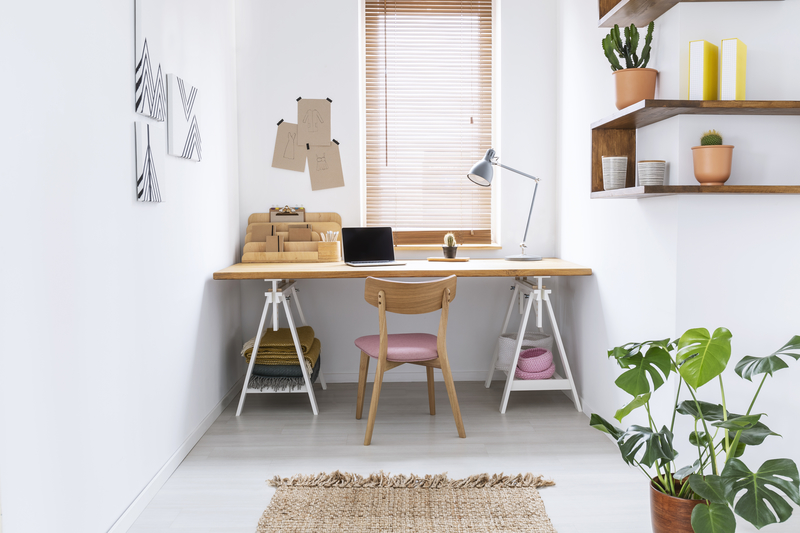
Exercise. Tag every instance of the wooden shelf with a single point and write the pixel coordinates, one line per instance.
(650, 191)
(649, 112)
(638, 12)
(615, 135)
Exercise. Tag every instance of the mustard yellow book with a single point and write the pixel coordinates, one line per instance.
(732, 69)
(703, 70)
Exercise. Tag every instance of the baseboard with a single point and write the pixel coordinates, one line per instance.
(126, 520)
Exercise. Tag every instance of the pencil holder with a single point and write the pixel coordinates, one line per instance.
(329, 251)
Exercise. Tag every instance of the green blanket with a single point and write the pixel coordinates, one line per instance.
(286, 357)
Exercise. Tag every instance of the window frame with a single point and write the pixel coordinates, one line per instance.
(424, 238)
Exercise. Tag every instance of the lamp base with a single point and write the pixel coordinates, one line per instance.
(523, 257)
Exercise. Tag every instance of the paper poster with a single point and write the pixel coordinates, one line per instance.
(313, 122)
(325, 167)
(287, 154)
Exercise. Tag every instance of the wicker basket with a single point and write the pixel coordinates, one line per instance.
(507, 343)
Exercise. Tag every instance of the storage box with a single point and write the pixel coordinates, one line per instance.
(330, 251)
(508, 342)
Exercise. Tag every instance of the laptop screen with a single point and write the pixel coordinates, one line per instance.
(367, 244)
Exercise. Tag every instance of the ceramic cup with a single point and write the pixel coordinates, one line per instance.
(615, 170)
(652, 172)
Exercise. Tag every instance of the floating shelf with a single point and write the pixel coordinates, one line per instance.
(650, 191)
(638, 12)
(616, 135)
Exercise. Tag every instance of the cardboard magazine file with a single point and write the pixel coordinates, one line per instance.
(263, 236)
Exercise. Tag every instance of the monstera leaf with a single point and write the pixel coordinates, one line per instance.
(702, 357)
(759, 502)
(709, 488)
(655, 364)
(599, 423)
(752, 366)
(632, 348)
(687, 470)
(713, 518)
(657, 446)
(738, 423)
(634, 404)
(751, 436)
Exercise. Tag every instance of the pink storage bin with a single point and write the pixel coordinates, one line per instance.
(535, 360)
(546, 374)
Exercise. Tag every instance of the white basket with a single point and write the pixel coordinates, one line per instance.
(508, 342)
(615, 172)
(652, 172)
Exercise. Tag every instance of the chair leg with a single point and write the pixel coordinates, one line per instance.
(451, 393)
(362, 384)
(373, 405)
(431, 391)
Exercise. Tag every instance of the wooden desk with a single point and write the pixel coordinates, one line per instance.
(474, 268)
(281, 276)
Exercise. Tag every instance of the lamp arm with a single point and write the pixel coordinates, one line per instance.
(535, 188)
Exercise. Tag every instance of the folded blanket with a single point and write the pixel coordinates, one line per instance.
(282, 382)
(287, 357)
(281, 341)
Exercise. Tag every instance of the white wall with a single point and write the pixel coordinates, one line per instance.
(115, 342)
(275, 66)
(664, 265)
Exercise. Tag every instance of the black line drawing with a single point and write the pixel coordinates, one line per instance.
(150, 98)
(147, 182)
(288, 152)
(322, 163)
(192, 145)
(188, 102)
(312, 118)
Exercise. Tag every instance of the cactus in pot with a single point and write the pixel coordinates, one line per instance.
(711, 138)
(450, 246)
(712, 159)
(633, 80)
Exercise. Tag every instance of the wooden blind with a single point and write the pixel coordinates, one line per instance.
(428, 112)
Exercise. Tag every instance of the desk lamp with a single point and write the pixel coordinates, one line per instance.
(481, 174)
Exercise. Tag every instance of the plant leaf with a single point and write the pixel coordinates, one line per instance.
(656, 364)
(709, 488)
(634, 404)
(756, 435)
(657, 446)
(702, 357)
(599, 423)
(790, 348)
(687, 470)
(709, 411)
(760, 504)
(713, 518)
(700, 438)
(752, 366)
(737, 423)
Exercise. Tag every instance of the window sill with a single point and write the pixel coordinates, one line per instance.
(404, 247)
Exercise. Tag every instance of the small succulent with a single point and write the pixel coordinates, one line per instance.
(711, 138)
(450, 240)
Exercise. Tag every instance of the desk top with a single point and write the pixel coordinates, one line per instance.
(474, 268)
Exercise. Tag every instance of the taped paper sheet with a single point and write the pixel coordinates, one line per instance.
(287, 154)
(325, 167)
(314, 122)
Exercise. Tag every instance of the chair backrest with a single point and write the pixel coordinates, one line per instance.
(410, 297)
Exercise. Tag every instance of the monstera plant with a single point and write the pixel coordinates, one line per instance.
(716, 476)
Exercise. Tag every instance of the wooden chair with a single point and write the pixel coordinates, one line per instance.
(410, 298)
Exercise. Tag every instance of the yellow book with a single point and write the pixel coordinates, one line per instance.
(703, 69)
(733, 69)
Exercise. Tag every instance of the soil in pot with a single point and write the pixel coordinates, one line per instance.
(634, 84)
(669, 514)
(450, 251)
(712, 164)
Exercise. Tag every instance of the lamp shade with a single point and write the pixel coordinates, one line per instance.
(481, 172)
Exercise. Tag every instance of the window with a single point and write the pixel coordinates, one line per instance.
(428, 117)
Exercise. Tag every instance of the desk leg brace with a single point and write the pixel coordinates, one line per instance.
(273, 299)
(542, 297)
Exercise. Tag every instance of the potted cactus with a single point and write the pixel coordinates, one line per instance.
(450, 246)
(712, 159)
(633, 82)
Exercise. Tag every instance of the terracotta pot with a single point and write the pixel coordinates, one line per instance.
(712, 164)
(669, 514)
(450, 251)
(634, 85)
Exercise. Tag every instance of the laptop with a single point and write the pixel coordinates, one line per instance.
(368, 247)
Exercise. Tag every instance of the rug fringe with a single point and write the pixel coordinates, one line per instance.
(346, 480)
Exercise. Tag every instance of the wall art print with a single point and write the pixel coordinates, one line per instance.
(151, 98)
(150, 156)
(183, 132)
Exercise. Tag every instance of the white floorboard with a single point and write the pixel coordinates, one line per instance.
(221, 485)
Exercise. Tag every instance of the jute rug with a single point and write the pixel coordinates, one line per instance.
(349, 503)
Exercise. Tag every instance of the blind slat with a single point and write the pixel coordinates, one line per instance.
(428, 113)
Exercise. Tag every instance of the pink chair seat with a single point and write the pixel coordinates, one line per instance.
(403, 347)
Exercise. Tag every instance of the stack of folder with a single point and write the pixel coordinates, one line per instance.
(715, 75)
